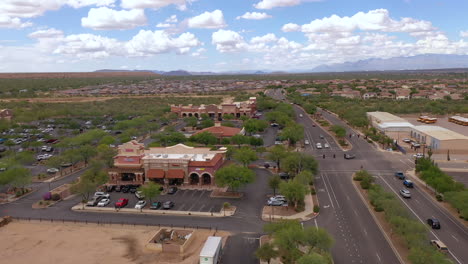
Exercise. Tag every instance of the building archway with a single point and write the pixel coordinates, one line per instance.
(238, 115)
(206, 179)
(196, 115)
(184, 115)
(190, 114)
(194, 179)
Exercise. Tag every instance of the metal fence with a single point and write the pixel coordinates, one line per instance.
(47, 220)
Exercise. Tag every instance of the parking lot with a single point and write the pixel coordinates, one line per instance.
(185, 200)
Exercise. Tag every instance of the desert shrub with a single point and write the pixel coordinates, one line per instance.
(56, 197)
(316, 208)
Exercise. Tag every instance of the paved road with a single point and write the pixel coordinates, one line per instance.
(383, 164)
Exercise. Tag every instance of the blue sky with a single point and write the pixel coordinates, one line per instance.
(216, 35)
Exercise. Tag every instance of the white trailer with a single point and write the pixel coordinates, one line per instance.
(211, 251)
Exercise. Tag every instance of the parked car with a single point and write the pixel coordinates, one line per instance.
(407, 140)
(66, 164)
(122, 202)
(300, 115)
(400, 175)
(118, 188)
(125, 189)
(277, 198)
(103, 202)
(155, 205)
(405, 193)
(110, 188)
(418, 155)
(139, 195)
(408, 183)
(102, 194)
(172, 190)
(434, 223)
(318, 145)
(140, 204)
(284, 175)
(306, 142)
(132, 189)
(274, 124)
(52, 170)
(168, 205)
(349, 156)
(94, 201)
(277, 203)
(439, 245)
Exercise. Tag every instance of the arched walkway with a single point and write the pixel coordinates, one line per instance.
(196, 115)
(184, 115)
(194, 179)
(190, 114)
(206, 179)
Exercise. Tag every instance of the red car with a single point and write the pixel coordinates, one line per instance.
(122, 202)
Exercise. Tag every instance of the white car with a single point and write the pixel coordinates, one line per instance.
(306, 142)
(140, 204)
(300, 115)
(102, 194)
(44, 148)
(139, 195)
(418, 155)
(319, 145)
(326, 145)
(52, 170)
(278, 198)
(103, 202)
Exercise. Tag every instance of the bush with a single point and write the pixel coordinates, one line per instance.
(300, 206)
(316, 208)
(439, 197)
(18, 193)
(342, 142)
(47, 196)
(56, 197)
(357, 178)
(313, 191)
(378, 209)
(365, 184)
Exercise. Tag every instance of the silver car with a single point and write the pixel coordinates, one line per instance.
(405, 193)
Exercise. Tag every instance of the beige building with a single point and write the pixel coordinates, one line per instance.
(386, 122)
(440, 139)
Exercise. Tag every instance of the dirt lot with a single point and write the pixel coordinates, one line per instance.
(39, 242)
(42, 75)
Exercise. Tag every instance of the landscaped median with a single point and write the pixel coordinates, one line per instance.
(408, 237)
(83, 208)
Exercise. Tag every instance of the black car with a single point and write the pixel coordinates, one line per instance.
(349, 156)
(132, 189)
(172, 190)
(125, 189)
(110, 188)
(434, 223)
(168, 205)
(284, 175)
(118, 188)
(155, 205)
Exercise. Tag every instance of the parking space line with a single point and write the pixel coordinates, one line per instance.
(211, 209)
(190, 209)
(200, 209)
(180, 208)
(184, 192)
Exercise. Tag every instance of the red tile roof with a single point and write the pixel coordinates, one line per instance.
(209, 163)
(221, 131)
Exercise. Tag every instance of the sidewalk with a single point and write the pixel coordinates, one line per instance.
(305, 215)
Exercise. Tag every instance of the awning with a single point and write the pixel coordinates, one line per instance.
(175, 174)
(155, 173)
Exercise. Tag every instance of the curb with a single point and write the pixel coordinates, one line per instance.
(21, 197)
(79, 208)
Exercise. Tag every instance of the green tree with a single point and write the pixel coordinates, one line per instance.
(313, 258)
(256, 142)
(226, 206)
(234, 176)
(293, 191)
(9, 143)
(295, 162)
(191, 121)
(55, 162)
(274, 183)
(318, 239)
(277, 153)
(206, 123)
(292, 133)
(107, 140)
(305, 177)
(106, 154)
(22, 177)
(150, 190)
(255, 125)
(266, 252)
(90, 180)
(239, 140)
(205, 138)
(245, 156)
(86, 152)
(339, 131)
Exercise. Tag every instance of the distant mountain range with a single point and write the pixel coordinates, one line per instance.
(418, 62)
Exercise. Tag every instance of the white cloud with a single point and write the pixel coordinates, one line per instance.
(254, 16)
(104, 18)
(46, 33)
(211, 20)
(269, 4)
(171, 19)
(148, 42)
(264, 39)
(164, 25)
(464, 34)
(169, 22)
(198, 52)
(13, 22)
(228, 41)
(290, 27)
(156, 4)
(89, 46)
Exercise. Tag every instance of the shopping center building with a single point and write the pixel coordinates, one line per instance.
(175, 165)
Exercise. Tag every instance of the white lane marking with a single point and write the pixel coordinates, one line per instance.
(329, 196)
(316, 225)
(355, 212)
(455, 238)
(417, 216)
(378, 257)
(333, 192)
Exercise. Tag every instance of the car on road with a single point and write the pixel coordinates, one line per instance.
(274, 124)
(140, 204)
(102, 194)
(306, 142)
(118, 188)
(400, 175)
(405, 193)
(408, 183)
(277, 203)
(155, 205)
(318, 145)
(321, 136)
(439, 245)
(326, 145)
(172, 190)
(300, 115)
(103, 202)
(168, 205)
(122, 202)
(94, 201)
(139, 195)
(434, 223)
(349, 156)
(52, 170)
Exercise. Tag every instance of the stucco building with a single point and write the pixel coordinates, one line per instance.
(175, 165)
(237, 109)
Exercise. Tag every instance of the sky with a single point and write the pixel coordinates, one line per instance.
(222, 35)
